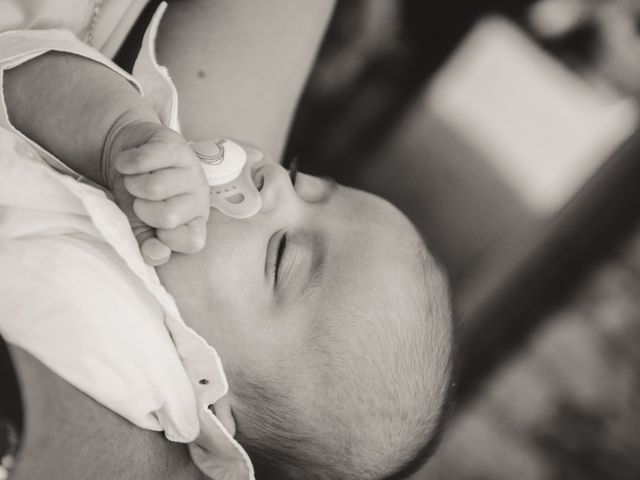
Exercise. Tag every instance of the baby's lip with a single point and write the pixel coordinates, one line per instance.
(255, 161)
(257, 176)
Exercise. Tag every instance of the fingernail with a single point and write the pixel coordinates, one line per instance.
(155, 251)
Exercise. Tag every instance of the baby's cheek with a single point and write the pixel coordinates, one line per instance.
(229, 327)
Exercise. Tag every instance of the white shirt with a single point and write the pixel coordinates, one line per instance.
(110, 20)
(77, 294)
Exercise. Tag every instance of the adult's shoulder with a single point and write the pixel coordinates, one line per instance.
(69, 435)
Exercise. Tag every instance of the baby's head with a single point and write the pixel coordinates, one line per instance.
(333, 324)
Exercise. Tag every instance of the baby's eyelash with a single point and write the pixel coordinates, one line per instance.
(279, 254)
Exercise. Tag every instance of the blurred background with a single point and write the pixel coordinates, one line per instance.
(507, 131)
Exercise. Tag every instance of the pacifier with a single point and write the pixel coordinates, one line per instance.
(227, 167)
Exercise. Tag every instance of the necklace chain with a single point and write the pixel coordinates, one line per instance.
(97, 9)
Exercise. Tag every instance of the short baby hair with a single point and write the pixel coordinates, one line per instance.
(384, 404)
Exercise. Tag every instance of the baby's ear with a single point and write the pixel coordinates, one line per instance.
(222, 409)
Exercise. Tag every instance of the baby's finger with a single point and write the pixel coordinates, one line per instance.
(170, 213)
(144, 159)
(161, 184)
(155, 252)
(141, 231)
(187, 238)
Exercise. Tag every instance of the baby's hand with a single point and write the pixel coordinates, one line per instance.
(158, 182)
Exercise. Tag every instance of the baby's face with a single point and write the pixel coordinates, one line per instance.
(264, 289)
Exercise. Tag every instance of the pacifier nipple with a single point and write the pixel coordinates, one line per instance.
(227, 167)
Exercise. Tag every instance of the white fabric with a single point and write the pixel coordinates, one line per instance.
(114, 19)
(77, 294)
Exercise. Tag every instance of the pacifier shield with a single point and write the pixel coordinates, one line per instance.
(227, 166)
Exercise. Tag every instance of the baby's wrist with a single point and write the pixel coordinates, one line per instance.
(130, 130)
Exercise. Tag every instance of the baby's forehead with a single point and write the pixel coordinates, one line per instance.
(375, 226)
(371, 212)
(376, 257)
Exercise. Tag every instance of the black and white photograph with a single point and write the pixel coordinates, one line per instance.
(319, 240)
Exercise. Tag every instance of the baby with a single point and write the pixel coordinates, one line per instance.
(332, 321)
(331, 318)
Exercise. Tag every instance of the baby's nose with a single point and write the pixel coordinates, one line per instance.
(274, 184)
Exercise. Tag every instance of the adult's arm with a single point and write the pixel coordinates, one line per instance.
(69, 435)
(240, 65)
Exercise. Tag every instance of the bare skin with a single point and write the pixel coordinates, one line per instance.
(247, 87)
(68, 435)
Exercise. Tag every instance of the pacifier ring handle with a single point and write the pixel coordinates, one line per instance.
(212, 158)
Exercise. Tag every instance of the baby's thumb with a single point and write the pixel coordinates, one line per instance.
(153, 251)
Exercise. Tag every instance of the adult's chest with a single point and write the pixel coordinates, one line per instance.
(69, 435)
